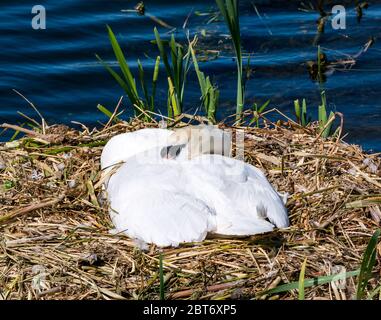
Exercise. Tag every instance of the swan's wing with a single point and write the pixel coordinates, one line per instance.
(123, 146)
(240, 193)
(148, 203)
(260, 198)
(269, 204)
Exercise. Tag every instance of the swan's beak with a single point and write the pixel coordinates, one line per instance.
(202, 139)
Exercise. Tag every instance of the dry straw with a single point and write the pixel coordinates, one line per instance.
(54, 226)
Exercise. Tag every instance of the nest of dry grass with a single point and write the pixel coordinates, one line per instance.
(54, 225)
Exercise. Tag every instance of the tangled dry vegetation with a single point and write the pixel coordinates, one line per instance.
(54, 226)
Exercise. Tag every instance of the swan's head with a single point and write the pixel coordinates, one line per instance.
(124, 146)
(192, 141)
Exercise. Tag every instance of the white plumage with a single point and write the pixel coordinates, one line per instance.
(167, 201)
(123, 146)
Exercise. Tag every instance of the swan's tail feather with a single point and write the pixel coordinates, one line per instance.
(276, 213)
(244, 226)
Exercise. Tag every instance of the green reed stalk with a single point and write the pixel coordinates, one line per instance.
(176, 68)
(229, 10)
(210, 93)
(368, 262)
(128, 82)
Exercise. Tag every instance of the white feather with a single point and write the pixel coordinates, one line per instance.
(123, 146)
(240, 194)
(149, 202)
(168, 202)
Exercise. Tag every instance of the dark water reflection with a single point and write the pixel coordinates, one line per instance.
(57, 70)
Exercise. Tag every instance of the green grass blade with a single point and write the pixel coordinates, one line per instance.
(212, 108)
(143, 83)
(185, 66)
(166, 42)
(175, 71)
(327, 130)
(297, 109)
(221, 6)
(304, 113)
(229, 10)
(209, 93)
(169, 104)
(368, 262)
(119, 80)
(122, 62)
(320, 76)
(104, 110)
(174, 103)
(154, 81)
(374, 292)
(255, 115)
(161, 277)
(301, 280)
(156, 70)
(14, 136)
(312, 282)
(257, 112)
(175, 62)
(264, 106)
(200, 75)
(322, 118)
(163, 53)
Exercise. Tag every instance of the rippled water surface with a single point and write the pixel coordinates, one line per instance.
(56, 68)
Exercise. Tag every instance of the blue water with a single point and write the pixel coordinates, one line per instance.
(57, 70)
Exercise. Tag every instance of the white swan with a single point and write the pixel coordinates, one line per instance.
(172, 193)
